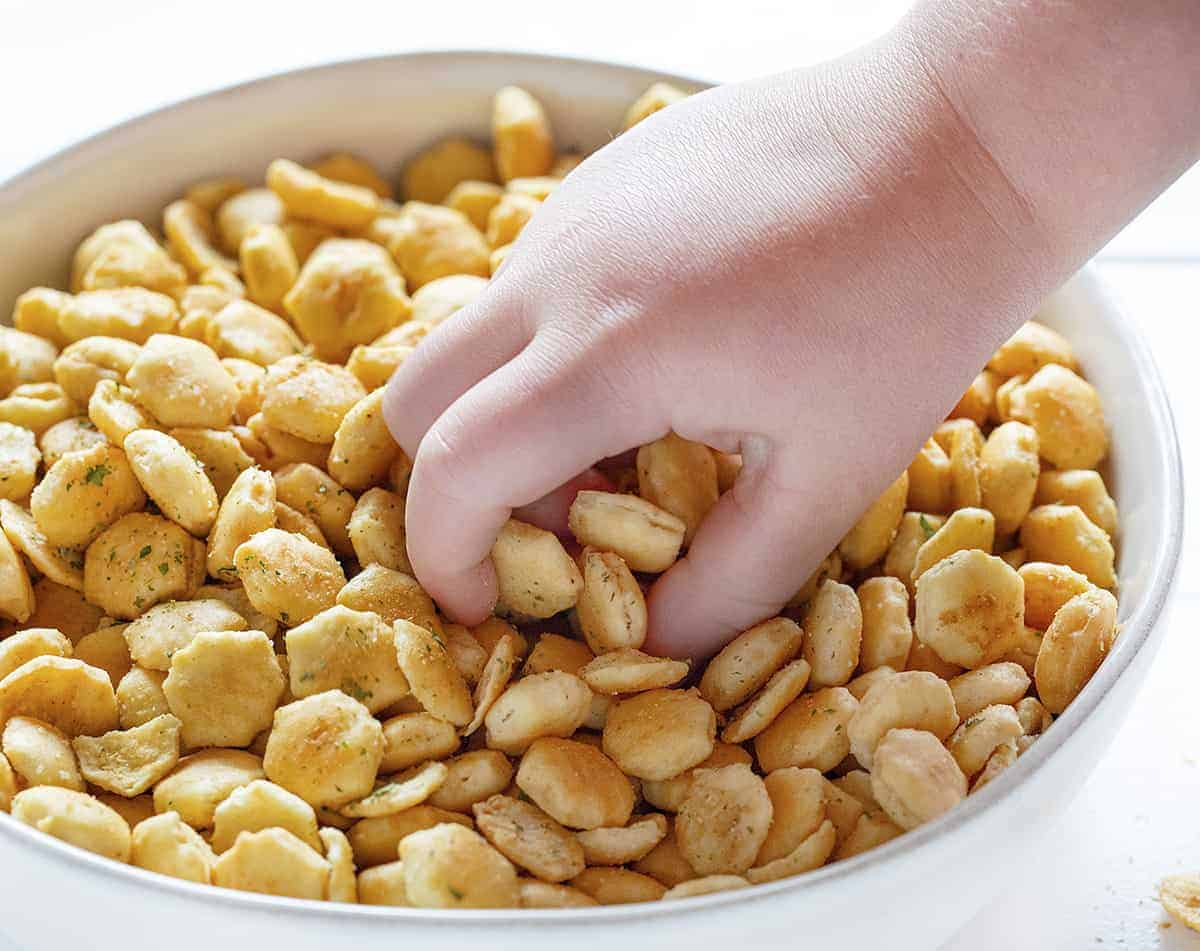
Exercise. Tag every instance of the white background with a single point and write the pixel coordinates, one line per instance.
(68, 69)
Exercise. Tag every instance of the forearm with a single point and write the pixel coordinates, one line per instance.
(1087, 107)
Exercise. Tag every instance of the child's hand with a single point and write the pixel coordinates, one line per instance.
(806, 269)
(729, 271)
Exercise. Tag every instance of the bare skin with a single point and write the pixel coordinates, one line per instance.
(807, 269)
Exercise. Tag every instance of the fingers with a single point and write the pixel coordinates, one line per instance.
(457, 355)
(513, 438)
(753, 551)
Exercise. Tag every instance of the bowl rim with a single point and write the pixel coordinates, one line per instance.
(1135, 633)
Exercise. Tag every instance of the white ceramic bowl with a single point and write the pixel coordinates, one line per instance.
(911, 893)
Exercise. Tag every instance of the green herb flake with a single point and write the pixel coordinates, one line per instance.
(928, 529)
(352, 689)
(72, 556)
(145, 552)
(97, 474)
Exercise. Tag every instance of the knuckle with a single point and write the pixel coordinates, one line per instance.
(442, 459)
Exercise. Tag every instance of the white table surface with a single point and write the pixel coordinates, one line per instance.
(71, 68)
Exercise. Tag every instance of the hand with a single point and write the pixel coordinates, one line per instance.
(806, 269)
(732, 271)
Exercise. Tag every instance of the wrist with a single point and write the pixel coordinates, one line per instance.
(1086, 108)
(973, 254)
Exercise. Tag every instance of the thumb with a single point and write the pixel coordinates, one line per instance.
(752, 552)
